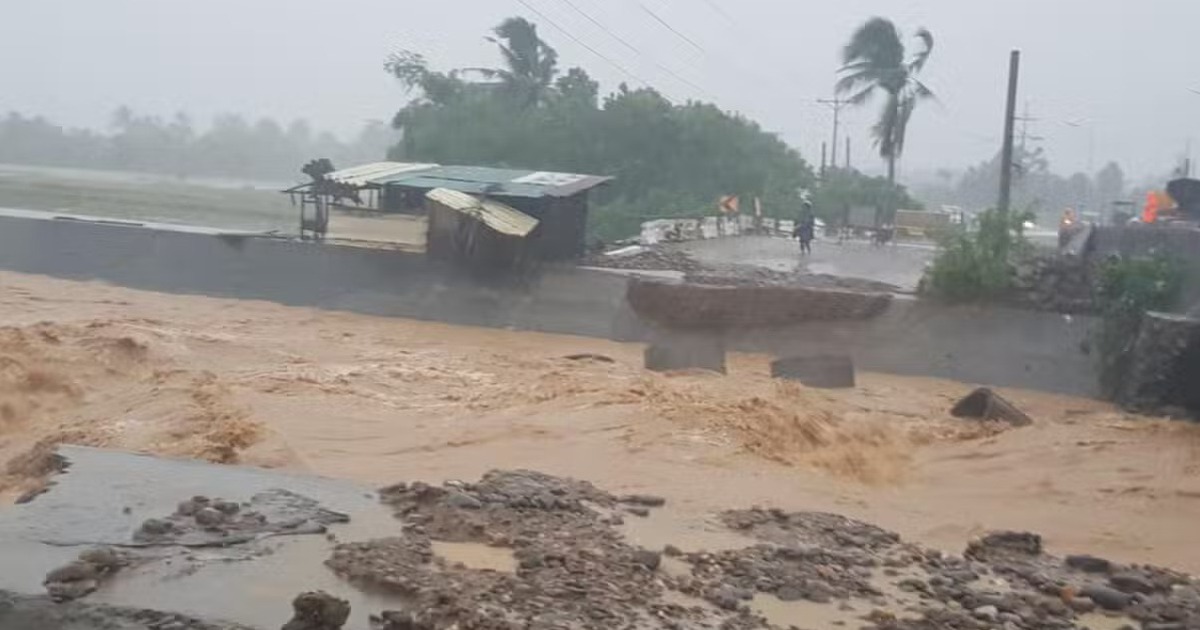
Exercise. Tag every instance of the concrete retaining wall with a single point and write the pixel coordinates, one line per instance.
(1001, 347)
(1182, 244)
(372, 281)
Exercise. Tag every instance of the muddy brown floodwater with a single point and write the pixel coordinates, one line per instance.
(376, 400)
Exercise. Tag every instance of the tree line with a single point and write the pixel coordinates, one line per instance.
(1036, 187)
(232, 146)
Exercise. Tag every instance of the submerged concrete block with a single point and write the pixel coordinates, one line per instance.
(677, 350)
(822, 370)
(985, 404)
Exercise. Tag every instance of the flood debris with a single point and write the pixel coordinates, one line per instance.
(986, 404)
(84, 575)
(202, 521)
(318, 610)
(575, 569)
(827, 371)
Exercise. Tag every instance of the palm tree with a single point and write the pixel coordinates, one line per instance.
(874, 61)
(531, 64)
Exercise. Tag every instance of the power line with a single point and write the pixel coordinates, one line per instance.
(717, 9)
(575, 39)
(638, 52)
(669, 27)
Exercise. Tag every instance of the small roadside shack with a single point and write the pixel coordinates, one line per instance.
(483, 234)
(559, 201)
(391, 191)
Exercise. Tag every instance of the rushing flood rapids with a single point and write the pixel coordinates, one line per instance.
(376, 400)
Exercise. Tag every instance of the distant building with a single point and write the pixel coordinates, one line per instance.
(558, 201)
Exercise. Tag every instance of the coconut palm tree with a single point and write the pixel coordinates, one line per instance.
(875, 61)
(530, 63)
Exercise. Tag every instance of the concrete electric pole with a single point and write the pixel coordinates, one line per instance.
(1010, 119)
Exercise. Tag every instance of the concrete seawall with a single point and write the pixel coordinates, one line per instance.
(998, 346)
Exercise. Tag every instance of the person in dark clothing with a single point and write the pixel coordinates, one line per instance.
(805, 231)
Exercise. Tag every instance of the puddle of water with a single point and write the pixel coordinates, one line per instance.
(806, 614)
(86, 505)
(1101, 621)
(477, 556)
(264, 586)
(664, 527)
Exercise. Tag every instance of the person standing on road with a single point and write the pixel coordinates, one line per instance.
(806, 230)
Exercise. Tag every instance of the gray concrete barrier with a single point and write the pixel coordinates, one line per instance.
(994, 346)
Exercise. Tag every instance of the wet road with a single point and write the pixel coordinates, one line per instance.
(900, 264)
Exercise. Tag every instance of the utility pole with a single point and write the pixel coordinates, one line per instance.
(836, 104)
(824, 153)
(1025, 119)
(1010, 118)
(847, 153)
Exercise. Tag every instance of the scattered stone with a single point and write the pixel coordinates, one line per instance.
(209, 517)
(649, 559)
(647, 500)
(318, 610)
(638, 511)
(463, 501)
(986, 613)
(1107, 598)
(202, 521)
(1088, 564)
(396, 620)
(1004, 545)
(1082, 604)
(83, 575)
(1131, 583)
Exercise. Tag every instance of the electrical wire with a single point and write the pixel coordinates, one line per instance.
(638, 52)
(668, 26)
(595, 52)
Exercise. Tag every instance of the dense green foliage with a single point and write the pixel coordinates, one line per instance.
(668, 159)
(976, 263)
(230, 147)
(1126, 289)
(841, 189)
(875, 61)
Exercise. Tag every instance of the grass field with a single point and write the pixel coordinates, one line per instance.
(253, 206)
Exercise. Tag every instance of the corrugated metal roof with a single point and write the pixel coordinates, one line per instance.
(500, 217)
(480, 180)
(365, 174)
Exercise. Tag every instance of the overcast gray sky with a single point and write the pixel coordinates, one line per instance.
(1121, 71)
